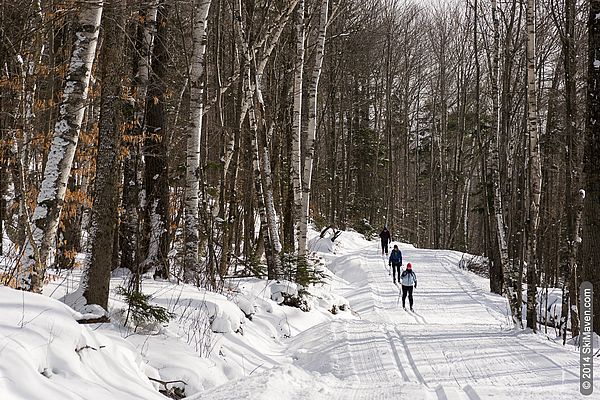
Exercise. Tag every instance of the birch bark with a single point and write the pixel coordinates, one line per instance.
(130, 224)
(192, 188)
(254, 106)
(312, 128)
(535, 169)
(495, 173)
(62, 150)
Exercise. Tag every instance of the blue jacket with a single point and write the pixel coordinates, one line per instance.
(396, 257)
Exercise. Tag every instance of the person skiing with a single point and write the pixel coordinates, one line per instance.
(395, 261)
(409, 279)
(386, 238)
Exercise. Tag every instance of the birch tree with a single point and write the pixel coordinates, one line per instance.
(535, 169)
(494, 166)
(192, 189)
(42, 233)
(297, 114)
(312, 127)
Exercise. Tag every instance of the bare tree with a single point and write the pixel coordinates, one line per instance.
(591, 164)
(192, 190)
(49, 202)
(312, 126)
(96, 278)
(297, 116)
(535, 169)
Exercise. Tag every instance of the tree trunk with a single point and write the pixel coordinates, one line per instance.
(267, 183)
(535, 170)
(296, 166)
(494, 167)
(192, 188)
(591, 164)
(132, 218)
(156, 221)
(96, 276)
(312, 127)
(62, 150)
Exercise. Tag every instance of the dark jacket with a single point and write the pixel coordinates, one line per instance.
(385, 236)
(396, 257)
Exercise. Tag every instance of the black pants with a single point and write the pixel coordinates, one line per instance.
(396, 268)
(407, 290)
(384, 247)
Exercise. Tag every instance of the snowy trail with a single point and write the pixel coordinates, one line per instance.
(456, 345)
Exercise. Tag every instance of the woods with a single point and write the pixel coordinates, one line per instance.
(196, 140)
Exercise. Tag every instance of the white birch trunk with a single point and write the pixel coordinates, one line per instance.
(297, 123)
(145, 60)
(269, 40)
(267, 182)
(535, 168)
(272, 219)
(312, 128)
(495, 168)
(258, 184)
(192, 189)
(62, 150)
(269, 230)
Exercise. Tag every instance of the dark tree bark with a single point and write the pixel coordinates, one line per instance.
(573, 201)
(132, 219)
(156, 183)
(96, 281)
(591, 164)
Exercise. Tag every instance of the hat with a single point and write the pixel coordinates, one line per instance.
(409, 266)
(395, 246)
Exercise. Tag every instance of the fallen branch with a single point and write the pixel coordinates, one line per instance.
(97, 320)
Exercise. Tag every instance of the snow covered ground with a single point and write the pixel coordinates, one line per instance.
(458, 344)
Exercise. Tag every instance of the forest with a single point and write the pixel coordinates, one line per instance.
(197, 140)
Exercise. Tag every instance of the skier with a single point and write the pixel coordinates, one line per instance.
(396, 261)
(409, 279)
(386, 238)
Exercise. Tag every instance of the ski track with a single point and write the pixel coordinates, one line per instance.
(457, 339)
(458, 345)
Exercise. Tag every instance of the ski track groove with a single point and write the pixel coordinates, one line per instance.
(472, 288)
(467, 291)
(410, 358)
(397, 356)
(459, 347)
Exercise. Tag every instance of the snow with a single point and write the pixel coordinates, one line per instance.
(44, 353)
(458, 344)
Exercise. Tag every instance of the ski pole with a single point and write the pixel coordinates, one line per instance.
(386, 268)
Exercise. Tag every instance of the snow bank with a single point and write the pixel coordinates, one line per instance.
(45, 353)
(281, 289)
